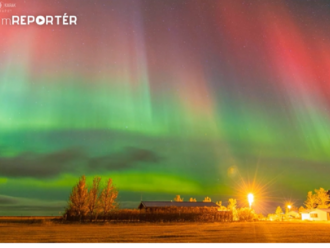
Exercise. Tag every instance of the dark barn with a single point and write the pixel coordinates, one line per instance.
(153, 206)
(183, 211)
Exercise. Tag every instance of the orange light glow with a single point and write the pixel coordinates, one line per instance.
(250, 199)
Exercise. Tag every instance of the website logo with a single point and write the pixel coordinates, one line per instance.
(6, 7)
(40, 20)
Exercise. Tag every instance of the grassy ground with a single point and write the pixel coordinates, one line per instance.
(49, 231)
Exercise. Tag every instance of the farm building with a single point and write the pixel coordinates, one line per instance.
(319, 214)
(183, 211)
(151, 206)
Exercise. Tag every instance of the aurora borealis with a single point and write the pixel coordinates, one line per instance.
(189, 97)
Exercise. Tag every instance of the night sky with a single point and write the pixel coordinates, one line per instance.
(199, 98)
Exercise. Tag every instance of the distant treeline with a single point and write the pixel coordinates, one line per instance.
(170, 214)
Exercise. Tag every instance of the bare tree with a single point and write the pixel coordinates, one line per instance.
(108, 197)
(178, 198)
(93, 195)
(232, 207)
(322, 198)
(311, 200)
(219, 203)
(279, 213)
(78, 202)
(232, 204)
(246, 214)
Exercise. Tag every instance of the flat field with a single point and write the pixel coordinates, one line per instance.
(45, 230)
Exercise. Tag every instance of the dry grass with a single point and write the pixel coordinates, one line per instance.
(259, 232)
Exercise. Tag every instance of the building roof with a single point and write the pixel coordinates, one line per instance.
(311, 210)
(163, 204)
(324, 209)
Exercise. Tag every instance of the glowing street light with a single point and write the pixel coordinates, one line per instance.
(250, 199)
